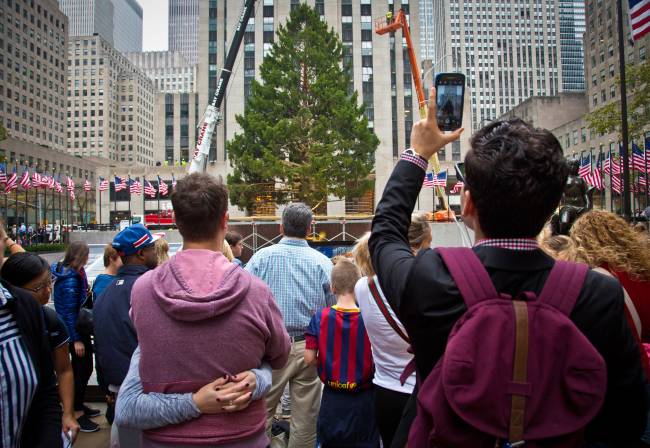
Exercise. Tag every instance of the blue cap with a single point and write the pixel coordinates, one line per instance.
(132, 239)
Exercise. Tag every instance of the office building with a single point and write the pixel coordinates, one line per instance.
(169, 70)
(119, 22)
(572, 29)
(176, 120)
(33, 43)
(379, 65)
(509, 51)
(110, 104)
(184, 28)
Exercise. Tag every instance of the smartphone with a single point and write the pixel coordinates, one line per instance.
(459, 167)
(450, 98)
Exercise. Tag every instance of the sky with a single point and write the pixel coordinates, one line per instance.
(154, 28)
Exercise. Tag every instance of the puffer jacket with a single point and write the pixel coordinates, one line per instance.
(70, 290)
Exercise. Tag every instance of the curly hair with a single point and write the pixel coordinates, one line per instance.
(602, 237)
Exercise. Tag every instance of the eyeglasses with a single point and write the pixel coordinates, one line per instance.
(44, 284)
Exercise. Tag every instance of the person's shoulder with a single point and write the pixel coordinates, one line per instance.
(600, 290)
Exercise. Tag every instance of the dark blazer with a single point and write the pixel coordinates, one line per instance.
(428, 303)
(42, 426)
(115, 336)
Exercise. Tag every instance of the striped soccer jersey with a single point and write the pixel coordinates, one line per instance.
(344, 354)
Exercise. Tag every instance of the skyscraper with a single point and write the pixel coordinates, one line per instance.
(572, 29)
(183, 28)
(509, 51)
(119, 22)
(379, 67)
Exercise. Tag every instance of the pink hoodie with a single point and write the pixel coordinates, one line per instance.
(199, 317)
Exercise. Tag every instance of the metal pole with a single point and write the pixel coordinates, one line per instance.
(100, 206)
(645, 174)
(627, 211)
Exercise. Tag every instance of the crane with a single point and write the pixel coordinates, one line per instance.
(390, 24)
(212, 115)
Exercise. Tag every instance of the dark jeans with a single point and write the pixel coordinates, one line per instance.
(82, 369)
(401, 436)
(389, 406)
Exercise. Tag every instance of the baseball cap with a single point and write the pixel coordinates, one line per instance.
(132, 239)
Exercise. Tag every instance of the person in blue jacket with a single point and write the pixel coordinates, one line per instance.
(70, 293)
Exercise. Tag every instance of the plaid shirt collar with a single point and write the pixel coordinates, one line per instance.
(519, 244)
(294, 241)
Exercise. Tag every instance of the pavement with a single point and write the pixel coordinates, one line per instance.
(99, 439)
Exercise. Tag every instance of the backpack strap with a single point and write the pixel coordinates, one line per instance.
(374, 292)
(563, 285)
(470, 276)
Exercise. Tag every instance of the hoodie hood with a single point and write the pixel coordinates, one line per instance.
(61, 272)
(198, 284)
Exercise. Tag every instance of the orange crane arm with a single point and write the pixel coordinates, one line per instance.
(387, 24)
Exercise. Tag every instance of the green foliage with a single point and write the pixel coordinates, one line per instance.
(3, 132)
(50, 247)
(304, 136)
(607, 119)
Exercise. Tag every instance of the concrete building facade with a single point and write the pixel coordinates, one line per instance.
(177, 118)
(110, 104)
(119, 22)
(184, 28)
(33, 43)
(509, 51)
(380, 70)
(169, 70)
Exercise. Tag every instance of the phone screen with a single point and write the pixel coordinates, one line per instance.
(450, 93)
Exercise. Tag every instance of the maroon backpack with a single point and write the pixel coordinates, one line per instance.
(515, 372)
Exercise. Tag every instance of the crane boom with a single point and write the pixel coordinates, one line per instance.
(212, 115)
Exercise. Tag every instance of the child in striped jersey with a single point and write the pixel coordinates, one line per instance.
(337, 343)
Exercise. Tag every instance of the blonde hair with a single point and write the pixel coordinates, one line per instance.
(227, 251)
(162, 250)
(418, 230)
(603, 238)
(109, 254)
(344, 276)
(361, 254)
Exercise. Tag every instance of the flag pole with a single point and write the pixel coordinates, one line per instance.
(627, 212)
(100, 204)
(645, 174)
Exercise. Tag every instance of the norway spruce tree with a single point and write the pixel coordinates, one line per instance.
(303, 136)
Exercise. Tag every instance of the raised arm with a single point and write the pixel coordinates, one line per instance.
(391, 255)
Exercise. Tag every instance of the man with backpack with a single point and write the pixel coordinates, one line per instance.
(544, 355)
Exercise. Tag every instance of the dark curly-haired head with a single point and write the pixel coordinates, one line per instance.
(515, 174)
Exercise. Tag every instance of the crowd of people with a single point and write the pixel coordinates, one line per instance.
(526, 339)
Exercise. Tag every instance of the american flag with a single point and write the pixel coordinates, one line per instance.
(45, 180)
(639, 158)
(428, 180)
(72, 195)
(87, 186)
(103, 184)
(3, 173)
(37, 179)
(173, 182)
(51, 182)
(57, 185)
(12, 181)
(585, 166)
(642, 180)
(149, 190)
(70, 184)
(639, 18)
(440, 179)
(24, 180)
(595, 178)
(617, 185)
(120, 184)
(134, 186)
(457, 187)
(163, 189)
